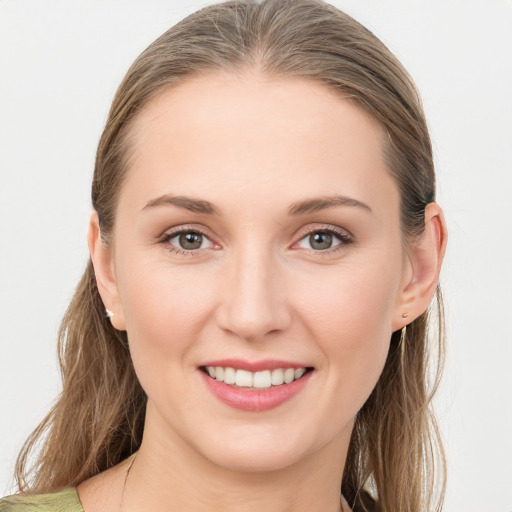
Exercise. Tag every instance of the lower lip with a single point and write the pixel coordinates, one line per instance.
(255, 400)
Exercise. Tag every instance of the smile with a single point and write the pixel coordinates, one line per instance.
(256, 387)
(255, 380)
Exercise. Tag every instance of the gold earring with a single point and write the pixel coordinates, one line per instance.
(108, 313)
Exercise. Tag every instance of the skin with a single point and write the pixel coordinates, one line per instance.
(255, 289)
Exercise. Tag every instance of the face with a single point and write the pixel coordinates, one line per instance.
(258, 233)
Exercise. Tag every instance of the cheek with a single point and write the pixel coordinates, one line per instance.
(165, 308)
(349, 314)
(351, 300)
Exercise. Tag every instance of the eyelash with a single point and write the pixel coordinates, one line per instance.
(342, 235)
(344, 238)
(176, 250)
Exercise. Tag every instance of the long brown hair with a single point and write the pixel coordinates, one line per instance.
(395, 455)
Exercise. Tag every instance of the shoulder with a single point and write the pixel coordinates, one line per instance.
(64, 500)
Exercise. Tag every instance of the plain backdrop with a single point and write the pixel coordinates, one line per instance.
(60, 63)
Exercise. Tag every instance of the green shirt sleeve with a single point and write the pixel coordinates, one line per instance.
(64, 500)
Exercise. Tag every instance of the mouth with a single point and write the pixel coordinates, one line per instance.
(255, 387)
(263, 379)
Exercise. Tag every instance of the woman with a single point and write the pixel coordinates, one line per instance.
(252, 328)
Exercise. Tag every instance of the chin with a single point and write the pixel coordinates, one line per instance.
(257, 451)
(246, 461)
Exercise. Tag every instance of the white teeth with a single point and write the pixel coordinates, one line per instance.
(289, 375)
(243, 378)
(229, 376)
(299, 372)
(277, 377)
(258, 380)
(262, 379)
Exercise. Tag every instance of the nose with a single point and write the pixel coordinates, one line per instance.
(253, 300)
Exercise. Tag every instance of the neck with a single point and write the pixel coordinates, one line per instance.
(170, 476)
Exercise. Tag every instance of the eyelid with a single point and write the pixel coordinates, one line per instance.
(344, 236)
(184, 228)
(323, 227)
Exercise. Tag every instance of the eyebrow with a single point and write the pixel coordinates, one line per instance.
(321, 203)
(298, 208)
(188, 203)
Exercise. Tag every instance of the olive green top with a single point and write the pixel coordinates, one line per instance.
(65, 500)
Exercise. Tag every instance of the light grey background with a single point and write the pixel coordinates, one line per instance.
(60, 63)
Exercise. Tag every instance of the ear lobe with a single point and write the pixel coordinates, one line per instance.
(425, 257)
(102, 261)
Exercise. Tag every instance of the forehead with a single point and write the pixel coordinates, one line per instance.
(251, 134)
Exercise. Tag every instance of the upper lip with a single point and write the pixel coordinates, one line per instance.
(255, 366)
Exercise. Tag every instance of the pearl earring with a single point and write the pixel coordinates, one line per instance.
(108, 313)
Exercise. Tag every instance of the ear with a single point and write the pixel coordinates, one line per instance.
(423, 264)
(103, 263)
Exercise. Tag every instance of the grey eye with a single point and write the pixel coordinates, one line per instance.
(190, 240)
(320, 241)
